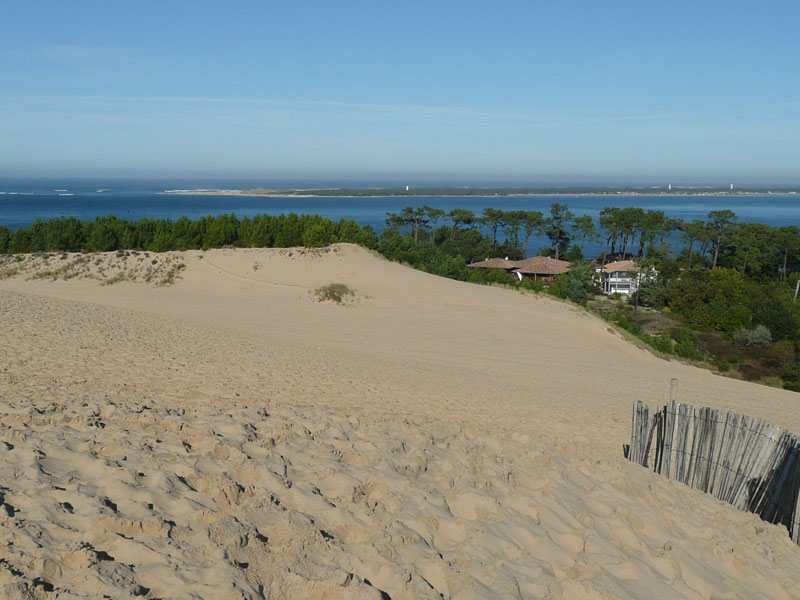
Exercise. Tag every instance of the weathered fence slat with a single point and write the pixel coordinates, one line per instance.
(669, 435)
(740, 452)
(722, 437)
(631, 448)
(683, 436)
(733, 441)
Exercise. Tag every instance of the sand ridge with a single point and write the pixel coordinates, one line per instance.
(230, 437)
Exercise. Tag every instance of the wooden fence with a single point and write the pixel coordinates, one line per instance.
(747, 462)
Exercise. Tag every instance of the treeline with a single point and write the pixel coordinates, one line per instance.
(755, 249)
(109, 233)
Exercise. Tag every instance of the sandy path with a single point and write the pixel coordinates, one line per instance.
(227, 437)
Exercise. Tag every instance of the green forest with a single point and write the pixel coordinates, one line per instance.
(725, 291)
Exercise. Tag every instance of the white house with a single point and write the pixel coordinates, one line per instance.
(623, 277)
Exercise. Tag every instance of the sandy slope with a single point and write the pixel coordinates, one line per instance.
(230, 437)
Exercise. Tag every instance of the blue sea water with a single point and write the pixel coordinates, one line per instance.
(24, 201)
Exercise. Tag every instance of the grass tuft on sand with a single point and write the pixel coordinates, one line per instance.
(10, 272)
(334, 292)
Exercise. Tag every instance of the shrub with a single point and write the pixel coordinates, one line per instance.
(792, 386)
(685, 345)
(662, 343)
(758, 336)
(685, 337)
(560, 287)
(334, 292)
(533, 286)
(667, 310)
(577, 291)
(498, 276)
(724, 366)
(476, 276)
(631, 326)
(780, 355)
(752, 371)
(791, 372)
(689, 352)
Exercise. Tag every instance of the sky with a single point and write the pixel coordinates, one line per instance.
(502, 91)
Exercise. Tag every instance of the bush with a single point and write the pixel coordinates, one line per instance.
(780, 355)
(531, 285)
(758, 336)
(560, 287)
(791, 372)
(689, 352)
(662, 343)
(724, 366)
(577, 291)
(476, 276)
(631, 326)
(498, 276)
(334, 292)
(752, 371)
(685, 337)
(792, 386)
(685, 345)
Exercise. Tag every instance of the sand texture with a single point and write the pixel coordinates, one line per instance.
(229, 436)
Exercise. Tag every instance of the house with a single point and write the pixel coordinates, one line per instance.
(494, 263)
(622, 277)
(538, 268)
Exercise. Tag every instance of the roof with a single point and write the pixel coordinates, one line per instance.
(494, 263)
(541, 265)
(621, 265)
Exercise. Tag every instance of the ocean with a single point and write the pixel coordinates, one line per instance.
(23, 201)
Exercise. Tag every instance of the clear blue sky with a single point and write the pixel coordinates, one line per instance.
(519, 91)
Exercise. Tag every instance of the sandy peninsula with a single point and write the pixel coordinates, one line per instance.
(202, 426)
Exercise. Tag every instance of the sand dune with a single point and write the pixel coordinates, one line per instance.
(229, 436)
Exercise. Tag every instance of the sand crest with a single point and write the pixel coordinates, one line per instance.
(229, 436)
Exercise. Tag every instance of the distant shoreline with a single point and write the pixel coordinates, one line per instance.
(477, 193)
